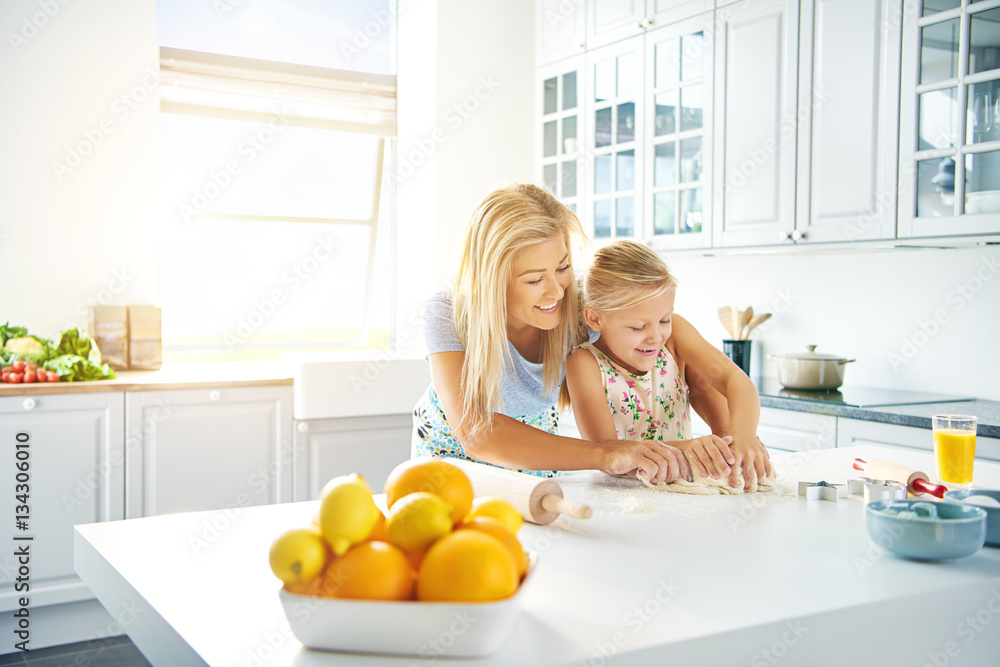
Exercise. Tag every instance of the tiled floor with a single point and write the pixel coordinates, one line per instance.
(111, 652)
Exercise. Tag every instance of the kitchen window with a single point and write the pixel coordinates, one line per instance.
(275, 228)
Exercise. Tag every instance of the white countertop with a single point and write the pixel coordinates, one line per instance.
(651, 577)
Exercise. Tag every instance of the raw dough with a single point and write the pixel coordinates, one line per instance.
(709, 486)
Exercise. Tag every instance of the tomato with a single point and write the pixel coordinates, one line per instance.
(51, 376)
(30, 375)
(4, 377)
(15, 378)
(18, 366)
(7, 369)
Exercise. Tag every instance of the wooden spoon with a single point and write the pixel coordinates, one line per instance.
(745, 318)
(726, 317)
(735, 326)
(756, 322)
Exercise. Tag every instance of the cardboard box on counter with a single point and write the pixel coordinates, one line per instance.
(144, 338)
(109, 328)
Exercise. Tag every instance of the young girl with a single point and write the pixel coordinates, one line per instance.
(649, 365)
(497, 344)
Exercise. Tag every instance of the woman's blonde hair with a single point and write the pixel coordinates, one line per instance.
(623, 274)
(507, 221)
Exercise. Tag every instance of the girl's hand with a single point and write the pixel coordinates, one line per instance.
(752, 458)
(710, 454)
(659, 462)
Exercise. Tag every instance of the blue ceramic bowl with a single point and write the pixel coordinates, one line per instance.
(958, 531)
(992, 513)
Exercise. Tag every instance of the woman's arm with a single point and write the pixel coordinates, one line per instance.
(742, 401)
(513, 444)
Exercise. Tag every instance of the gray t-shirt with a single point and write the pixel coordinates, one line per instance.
(522, 388)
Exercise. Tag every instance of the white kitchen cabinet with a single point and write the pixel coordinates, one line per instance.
(76, 474)
(677, 169)
(615, 131)
(610, 21)
(848, 106)
(212, 448)
(756, 89)
(561, 30)
(561, 133)
(858, 432)
(949, 160)
(369, 446)
(786, 429)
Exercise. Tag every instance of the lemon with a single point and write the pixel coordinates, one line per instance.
(297, 556)
(347, 513)
(432, 476)
(416, 520)
(496, 508)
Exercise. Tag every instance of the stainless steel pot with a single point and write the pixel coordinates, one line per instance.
(810, 370)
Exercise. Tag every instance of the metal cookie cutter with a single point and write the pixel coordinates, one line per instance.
(876, 489)
(822, 491)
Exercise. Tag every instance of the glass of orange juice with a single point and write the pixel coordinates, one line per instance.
(954, 448)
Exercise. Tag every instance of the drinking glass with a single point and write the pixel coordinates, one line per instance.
(954, 448)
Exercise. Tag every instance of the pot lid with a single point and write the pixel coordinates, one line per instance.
(810, 353)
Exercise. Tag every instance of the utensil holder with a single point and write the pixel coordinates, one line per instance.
(739, 352)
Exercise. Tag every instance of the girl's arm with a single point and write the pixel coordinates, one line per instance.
(742, 400)
(513, 444)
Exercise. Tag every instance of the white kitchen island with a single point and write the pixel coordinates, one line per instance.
(652, 578)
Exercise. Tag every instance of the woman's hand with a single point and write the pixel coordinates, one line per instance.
(752, 458)
(659, 462)
(710, 454)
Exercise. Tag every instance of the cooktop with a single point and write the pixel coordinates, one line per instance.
(859, 397)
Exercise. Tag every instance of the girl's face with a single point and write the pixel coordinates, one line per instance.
(539, 278)
(633, 336)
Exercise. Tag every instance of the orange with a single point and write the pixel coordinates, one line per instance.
(501, 532)
(370, 571)
(467, 566)
(432, 476)
(378, 532)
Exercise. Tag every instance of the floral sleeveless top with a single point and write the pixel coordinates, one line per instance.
(653, 406)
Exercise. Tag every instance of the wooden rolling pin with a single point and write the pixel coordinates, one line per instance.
(539, 500)
(916, 482)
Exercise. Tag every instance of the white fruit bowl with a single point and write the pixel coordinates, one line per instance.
(420, 629)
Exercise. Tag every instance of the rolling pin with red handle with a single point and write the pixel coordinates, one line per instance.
(538, 500)
(916, 482)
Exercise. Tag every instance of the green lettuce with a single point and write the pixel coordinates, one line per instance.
(72, 341)
(74, 368)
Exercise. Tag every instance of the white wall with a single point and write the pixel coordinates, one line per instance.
(78, 79)
(915, 319)
(466, 86)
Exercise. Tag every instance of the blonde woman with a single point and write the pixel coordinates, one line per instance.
(497, 344)
(638, 380)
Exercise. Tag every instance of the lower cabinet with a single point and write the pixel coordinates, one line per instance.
(786, 430)
(207, 449)
(859, 432)
(73, 472)
(369, 446)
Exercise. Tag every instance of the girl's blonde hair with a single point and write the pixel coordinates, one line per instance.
(507, 221)
(623, 274)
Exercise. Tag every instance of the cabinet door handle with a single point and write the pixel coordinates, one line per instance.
(798, 236)
(214, 395)
(784, 236)
(29, 404)
(302, 427)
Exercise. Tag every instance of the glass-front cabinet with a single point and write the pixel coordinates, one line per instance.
(561, 94)
(950, 119)
(615, 140)
(677, 201)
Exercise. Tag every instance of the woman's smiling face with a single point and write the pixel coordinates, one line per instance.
(539, 278)
(633, 336)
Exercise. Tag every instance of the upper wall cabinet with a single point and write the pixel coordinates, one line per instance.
(949, 170)
(847, 110)
(561, 30)
(561, 92)
(610, 21)
(756, 49)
